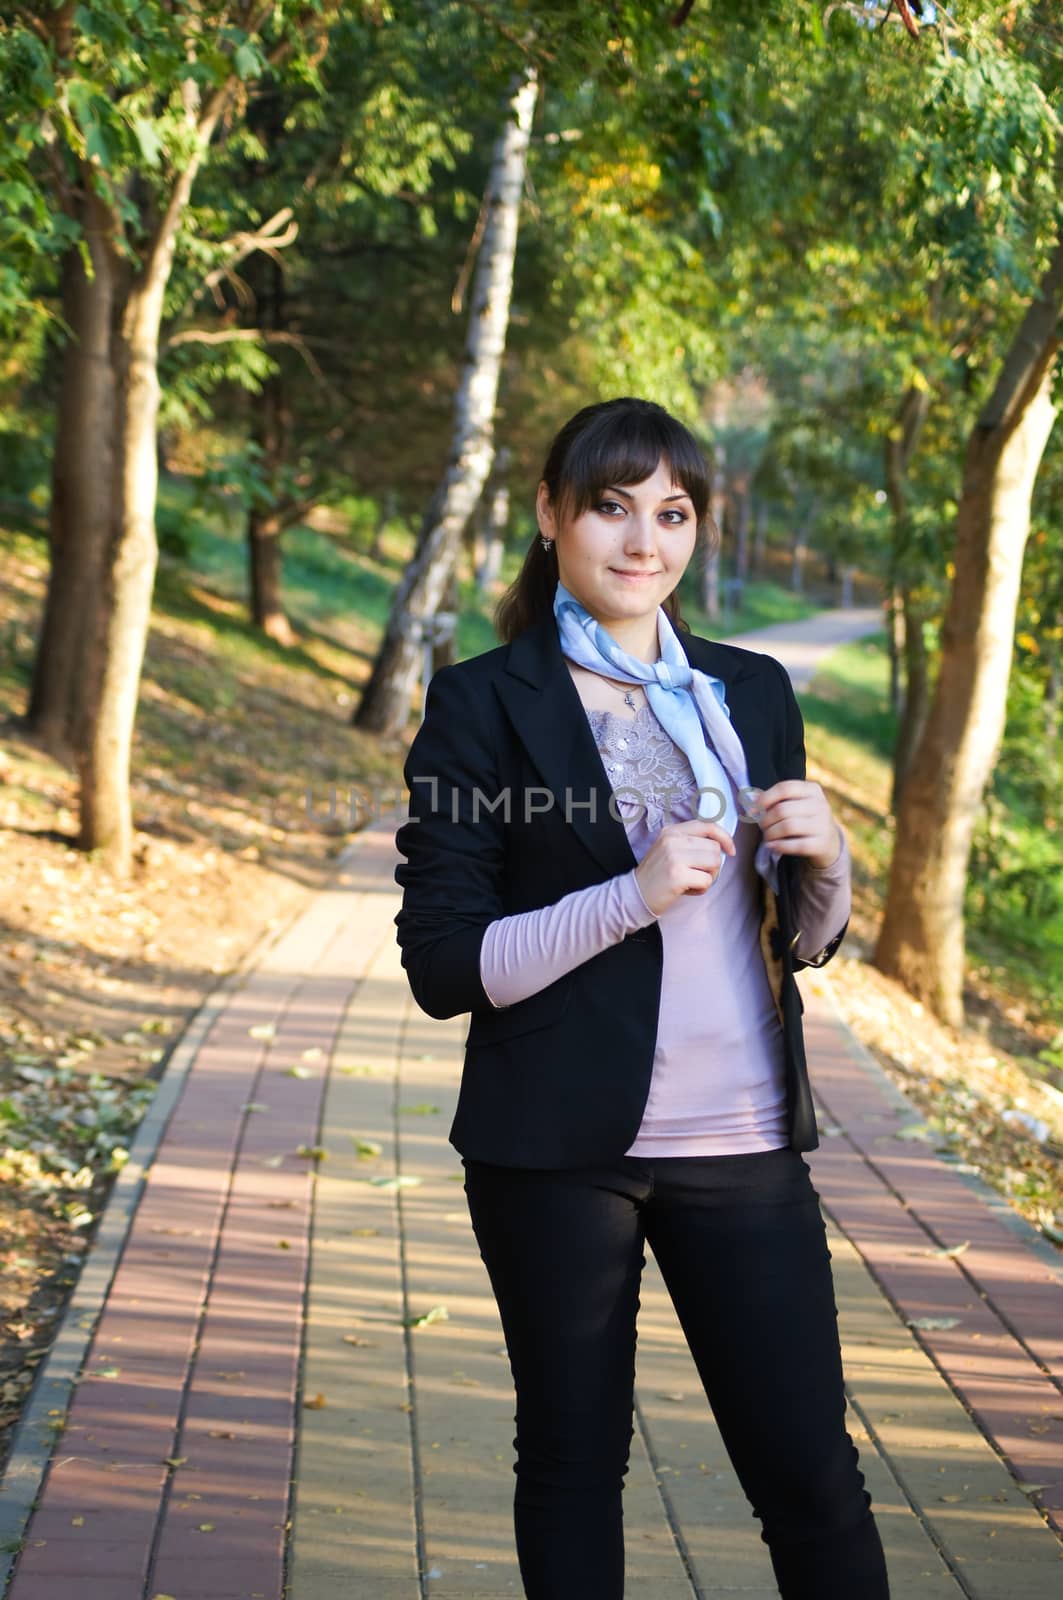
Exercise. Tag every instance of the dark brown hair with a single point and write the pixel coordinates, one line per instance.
(613, 442)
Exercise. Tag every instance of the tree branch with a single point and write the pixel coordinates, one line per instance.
(1032, 348)
(274, 235)
(245, 336)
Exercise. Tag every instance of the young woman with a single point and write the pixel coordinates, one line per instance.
(614, 864)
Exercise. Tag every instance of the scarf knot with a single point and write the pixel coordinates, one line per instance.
(690, 705)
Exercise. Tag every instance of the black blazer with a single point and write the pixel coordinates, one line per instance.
(561, 1079)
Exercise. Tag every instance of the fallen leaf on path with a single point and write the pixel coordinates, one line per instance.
(934, 1324)
(263, 1030)
(437, 1314)
(314, 1402)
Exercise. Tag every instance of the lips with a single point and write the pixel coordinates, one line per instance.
(621, 573)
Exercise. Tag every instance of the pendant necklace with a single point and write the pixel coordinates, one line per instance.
(629, 695)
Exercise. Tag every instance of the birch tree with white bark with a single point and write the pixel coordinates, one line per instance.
(386, 702)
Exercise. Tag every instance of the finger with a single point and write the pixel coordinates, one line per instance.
(807, 809)
(785, 789)
(806, 844)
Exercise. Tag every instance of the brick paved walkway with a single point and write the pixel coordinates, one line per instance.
(297, 1387)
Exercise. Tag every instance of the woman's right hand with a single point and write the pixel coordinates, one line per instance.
(685, 858)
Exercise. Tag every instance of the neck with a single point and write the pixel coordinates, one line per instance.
(637, 636)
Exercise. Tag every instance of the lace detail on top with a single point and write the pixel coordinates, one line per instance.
(650, 775)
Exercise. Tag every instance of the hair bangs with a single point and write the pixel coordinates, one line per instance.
(623, 443)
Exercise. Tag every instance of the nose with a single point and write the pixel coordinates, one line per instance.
(640, 535)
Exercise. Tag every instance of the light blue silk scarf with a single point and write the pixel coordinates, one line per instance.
(690, 705)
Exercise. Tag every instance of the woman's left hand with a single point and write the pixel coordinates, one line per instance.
(795, 817)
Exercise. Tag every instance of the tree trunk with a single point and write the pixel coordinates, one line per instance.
(742, 497)
(921, 941)
(385, 704)
(916, 703)
(1053, 700)
(760, 528)
(900, 447)
(496, 519)
(265, 529)
(710, 572)
(385, 515)
(82, 487)
(798, 553)
(445, 647)
(117, 652)
(272, 434)
(895, 641)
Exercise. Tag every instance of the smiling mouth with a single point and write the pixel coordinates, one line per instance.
(621, 572)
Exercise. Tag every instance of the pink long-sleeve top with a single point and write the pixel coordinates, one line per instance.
(718, 1081)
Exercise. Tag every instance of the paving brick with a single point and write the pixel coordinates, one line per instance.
(95, 1559)
(81, 1586)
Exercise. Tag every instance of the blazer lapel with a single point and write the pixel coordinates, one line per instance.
(547, 714)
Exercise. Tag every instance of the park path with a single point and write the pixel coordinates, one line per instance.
(282, 1373)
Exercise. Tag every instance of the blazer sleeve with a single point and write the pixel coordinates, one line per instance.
(795, 767)
(454, 849)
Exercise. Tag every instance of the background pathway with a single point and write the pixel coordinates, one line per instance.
(288, 1378)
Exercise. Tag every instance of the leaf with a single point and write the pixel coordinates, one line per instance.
(314, 1402)
(148, 140)
(263, 1030)
(300, 1072)
(352, 1338)
(255, 1105)
(391, 1184)
(421, 1110)
(916, 1130)
(176, 1461)
(248, 60)
(206, 1527)
(425, 1320)
(932, 1324)
(366, 1149)
(313, 1152)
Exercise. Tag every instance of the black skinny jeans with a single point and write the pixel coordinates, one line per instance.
(742, 1248)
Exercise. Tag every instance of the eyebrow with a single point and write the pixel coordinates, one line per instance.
(612, 488)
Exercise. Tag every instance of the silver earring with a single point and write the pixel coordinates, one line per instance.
(547, 544)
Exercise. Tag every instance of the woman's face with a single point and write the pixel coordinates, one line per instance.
(626, 553)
